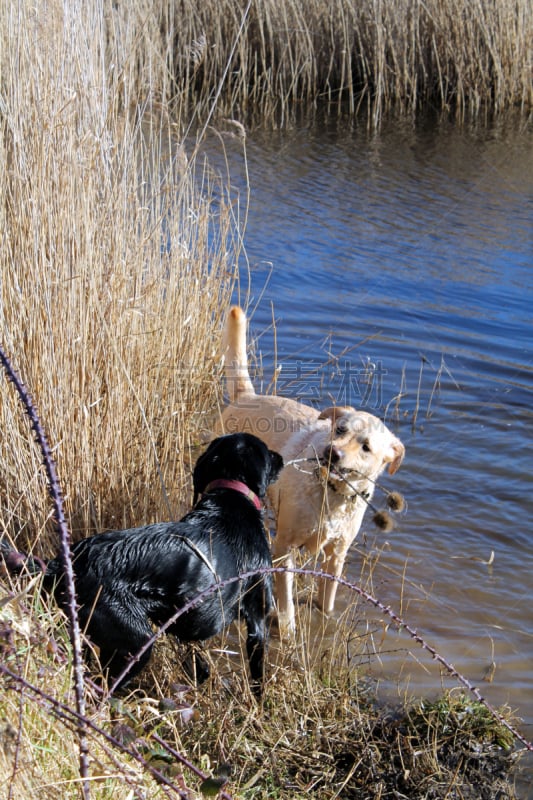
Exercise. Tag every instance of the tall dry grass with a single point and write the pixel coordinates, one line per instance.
(279, 60)
(117, 257)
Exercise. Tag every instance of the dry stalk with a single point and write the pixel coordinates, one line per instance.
(64, 538)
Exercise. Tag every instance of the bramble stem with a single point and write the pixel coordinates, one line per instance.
(56, 496)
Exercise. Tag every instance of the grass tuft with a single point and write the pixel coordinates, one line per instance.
(337, 740)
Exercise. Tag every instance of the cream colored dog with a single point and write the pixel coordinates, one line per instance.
(332, 459)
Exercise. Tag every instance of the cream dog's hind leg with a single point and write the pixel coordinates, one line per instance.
(284, 587)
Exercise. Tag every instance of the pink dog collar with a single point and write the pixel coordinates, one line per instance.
(238, 486)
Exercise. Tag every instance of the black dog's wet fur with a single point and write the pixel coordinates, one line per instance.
(128, 581)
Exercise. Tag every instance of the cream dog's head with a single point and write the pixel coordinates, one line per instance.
(355, 450)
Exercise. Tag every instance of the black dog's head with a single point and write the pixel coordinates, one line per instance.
(239, 457)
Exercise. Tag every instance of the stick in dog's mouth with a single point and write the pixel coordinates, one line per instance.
(381, 518)
(325, 471)
(342, 473)
(333, 476)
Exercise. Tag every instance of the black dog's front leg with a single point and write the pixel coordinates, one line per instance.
(256, 606)
(256, 648)
(195, 666)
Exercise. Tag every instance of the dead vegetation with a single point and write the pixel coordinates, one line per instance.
(275, 61)
(319, 731)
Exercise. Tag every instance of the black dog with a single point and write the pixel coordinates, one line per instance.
(128, 581)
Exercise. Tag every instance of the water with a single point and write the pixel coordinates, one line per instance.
(399, 271)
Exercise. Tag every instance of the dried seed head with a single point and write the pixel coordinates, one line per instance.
(383, 520)
(395, 501)
(323, 473)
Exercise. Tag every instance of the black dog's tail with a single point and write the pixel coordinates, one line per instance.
(16, 562)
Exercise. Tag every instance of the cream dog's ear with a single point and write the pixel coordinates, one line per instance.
(394, 456)
(334, 412)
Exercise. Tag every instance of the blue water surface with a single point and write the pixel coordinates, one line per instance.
(396, 271)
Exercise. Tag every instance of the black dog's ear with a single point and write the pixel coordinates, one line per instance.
(276, 465)
(272, 467)
(203, 468)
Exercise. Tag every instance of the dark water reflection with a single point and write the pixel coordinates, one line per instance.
(410, 251)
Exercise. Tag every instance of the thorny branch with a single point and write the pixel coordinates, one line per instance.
(55, 494)
(68, 716)
(398, 621)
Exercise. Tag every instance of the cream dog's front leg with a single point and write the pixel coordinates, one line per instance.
(284, 585)
(334, 558)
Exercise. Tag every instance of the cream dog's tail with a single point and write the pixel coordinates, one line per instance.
(238, 381)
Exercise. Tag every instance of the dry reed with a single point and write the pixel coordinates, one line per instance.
(287, 58)
(117, 258)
